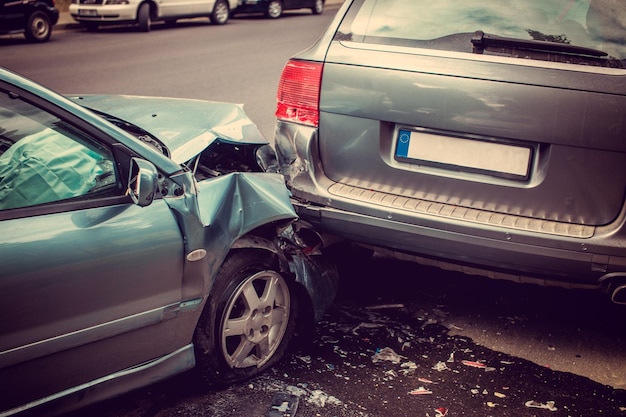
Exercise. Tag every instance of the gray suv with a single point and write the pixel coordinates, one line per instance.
(484, 136)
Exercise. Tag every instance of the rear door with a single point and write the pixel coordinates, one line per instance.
(12, 15)
(412, 108)
(87, 278)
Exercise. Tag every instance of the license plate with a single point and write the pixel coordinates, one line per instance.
(462, 154)
(87, 12)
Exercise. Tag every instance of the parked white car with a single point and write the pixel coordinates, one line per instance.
(93, 13)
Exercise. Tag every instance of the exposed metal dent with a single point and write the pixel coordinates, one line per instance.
(227, 207)
(241, 202)
(319, 276)
(298, 248)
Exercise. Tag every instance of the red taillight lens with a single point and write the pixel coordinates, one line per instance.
(298, 92)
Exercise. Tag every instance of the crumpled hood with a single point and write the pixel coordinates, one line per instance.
(185, 126)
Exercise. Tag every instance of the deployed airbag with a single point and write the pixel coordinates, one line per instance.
(44, 167)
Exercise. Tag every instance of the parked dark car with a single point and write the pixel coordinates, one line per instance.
(140, 236)
(34, 18)
(483, 136)
(273, 9)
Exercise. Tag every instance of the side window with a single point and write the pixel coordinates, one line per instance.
(43, 159)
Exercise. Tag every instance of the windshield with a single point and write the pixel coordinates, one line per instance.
(595, 24)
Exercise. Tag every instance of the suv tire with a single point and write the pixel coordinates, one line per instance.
(38, 28)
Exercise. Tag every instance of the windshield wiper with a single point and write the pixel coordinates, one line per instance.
(481, 40)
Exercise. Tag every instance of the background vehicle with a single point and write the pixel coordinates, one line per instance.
(93, 13)
(484, 136)
(134, 246)
(274, 8)
(34, 18)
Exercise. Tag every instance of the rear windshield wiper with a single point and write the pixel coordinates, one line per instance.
(481, 40)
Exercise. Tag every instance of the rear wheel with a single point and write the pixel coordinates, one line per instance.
(274, 9)
(248, 320)
(220, 13)
(318, 7)
(143, 17)
(38, 27)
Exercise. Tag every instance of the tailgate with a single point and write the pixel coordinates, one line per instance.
(534, 140)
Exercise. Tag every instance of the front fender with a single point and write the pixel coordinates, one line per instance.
(216, 212)
(241, 202)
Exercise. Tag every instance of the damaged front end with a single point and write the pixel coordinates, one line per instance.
(228, 196)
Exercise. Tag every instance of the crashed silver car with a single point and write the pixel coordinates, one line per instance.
(482, 136)
(140, 237)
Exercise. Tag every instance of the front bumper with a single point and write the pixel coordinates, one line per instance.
(103, 14)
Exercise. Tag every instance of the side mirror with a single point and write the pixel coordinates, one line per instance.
(142, 182)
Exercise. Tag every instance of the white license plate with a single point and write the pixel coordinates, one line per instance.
(87, 12)
(463, 154)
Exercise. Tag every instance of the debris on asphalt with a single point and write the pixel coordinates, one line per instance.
(441, 366)
(387, 354)
(441, 412)
(549, 405)
(420, 391)
(385, 306)
(283, 405)
(474, 364)
(366, 326)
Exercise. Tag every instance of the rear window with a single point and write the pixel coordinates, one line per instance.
(577, 31)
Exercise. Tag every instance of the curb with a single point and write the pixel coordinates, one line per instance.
(66, 22)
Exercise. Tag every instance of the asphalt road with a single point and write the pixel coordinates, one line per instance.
(527, 343)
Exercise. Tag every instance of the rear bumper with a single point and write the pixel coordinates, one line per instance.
(493, 250)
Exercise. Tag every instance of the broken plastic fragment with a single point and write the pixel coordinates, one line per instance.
(441, 366)
(441, 412)
(474, 364)
(387, 354)
(420, 391)
(283, 405)
(549, 405)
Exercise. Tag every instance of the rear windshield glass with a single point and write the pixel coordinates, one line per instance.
(580, 31)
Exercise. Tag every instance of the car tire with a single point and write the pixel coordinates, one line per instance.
(227, 353)
(274, 9)
(143, 17)
(318, 7)
(220, 13)
(38, 27)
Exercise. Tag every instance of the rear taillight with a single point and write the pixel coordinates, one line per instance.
(298, 92)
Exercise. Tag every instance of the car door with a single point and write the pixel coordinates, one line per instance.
(88, 279)
(12, 15)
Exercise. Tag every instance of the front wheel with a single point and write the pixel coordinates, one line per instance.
(38, 27)
(274, 9)
(143, 17)
(248, 320)
(220, 13)
(318, 7)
